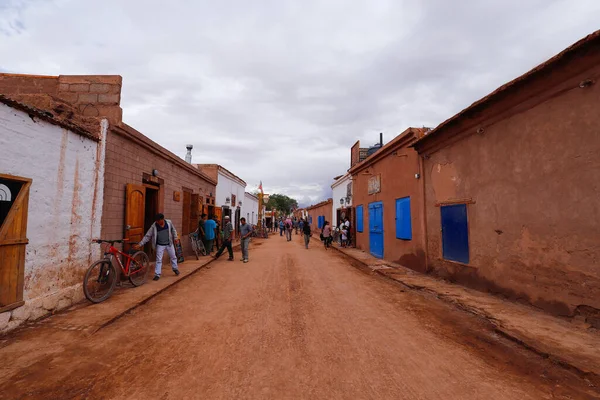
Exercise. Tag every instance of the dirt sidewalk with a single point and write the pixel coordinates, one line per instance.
(568, 343)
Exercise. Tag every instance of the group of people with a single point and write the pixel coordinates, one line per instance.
(163, 237)
(288, 225)
(328, 233)
(208, 229)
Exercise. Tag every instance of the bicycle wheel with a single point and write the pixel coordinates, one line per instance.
(99, 281)
(194, 246)
(138, 269)
(200, 246)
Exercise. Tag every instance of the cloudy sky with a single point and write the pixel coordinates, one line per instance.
(279, 90)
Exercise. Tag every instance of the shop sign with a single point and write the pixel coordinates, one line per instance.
(375, 184)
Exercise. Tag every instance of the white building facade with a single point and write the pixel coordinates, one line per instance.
(250, 208)
(51, 195)
(230, 195)
(342, 197)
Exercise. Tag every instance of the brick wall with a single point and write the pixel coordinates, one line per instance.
(92, 95)
(126, 162)
(355, 154)
(27, 84)
(212, 170)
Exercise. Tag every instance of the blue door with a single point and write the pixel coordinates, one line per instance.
(455, 233)
(376, 229)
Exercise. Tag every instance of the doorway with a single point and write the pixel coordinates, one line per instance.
(151, 208)
(236, 227)
(455, 233)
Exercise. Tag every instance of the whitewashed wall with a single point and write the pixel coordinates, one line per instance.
(65, 207)
(225, 188)
(340, 190)
(250, 208)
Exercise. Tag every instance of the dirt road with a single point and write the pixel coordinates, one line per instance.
(290, 324)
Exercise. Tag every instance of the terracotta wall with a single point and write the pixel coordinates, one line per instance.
(398, 180)
(126, 162)
(533, 176)
(324, 208)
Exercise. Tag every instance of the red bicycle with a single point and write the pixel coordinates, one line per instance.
(101, 277)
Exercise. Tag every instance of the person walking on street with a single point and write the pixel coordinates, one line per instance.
(245, 232)
(210, 228)
(227, 238)
(307, 233)
(162, 235)
(281, 227)
(288, 229)
(326, 232)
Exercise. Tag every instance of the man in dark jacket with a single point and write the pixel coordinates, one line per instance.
(307, 233)
(227, 238)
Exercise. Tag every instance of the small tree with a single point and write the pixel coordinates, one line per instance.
(282, 203)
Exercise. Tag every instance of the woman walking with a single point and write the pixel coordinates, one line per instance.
(326, 232)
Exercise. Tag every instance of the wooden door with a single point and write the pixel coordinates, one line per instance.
(455, 233)
(186, 217)
(376, 229)
(14, 202)
(135, 207)
(196, 211)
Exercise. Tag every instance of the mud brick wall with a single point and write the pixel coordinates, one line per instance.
(324, 208)
(126, 162)
(528, 165)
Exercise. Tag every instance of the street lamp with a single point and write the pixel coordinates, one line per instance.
(342, 201)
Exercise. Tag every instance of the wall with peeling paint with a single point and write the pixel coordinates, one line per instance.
(529, 168)
(65, 207)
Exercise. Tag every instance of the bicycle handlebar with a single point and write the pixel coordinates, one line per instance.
(99, 241)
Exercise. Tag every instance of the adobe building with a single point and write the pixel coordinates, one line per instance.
(342, 200)
(51, 186)
(141, 178)
(512, 184)
(319, 213)
(388, 201)
(250, 209)
(230, 193)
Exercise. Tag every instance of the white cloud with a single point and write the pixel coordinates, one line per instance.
(278, 91)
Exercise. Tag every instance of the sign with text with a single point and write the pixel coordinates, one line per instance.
(375, 184)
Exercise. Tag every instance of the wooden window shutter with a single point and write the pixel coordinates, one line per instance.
(14, 205)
